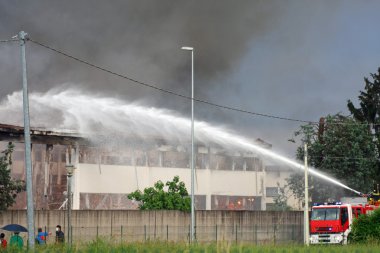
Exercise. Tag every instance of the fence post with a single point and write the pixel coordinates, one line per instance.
(145, 232)
(216, 232)
(167, 232)
(293, 228)
(256, 234)
(241, 227)
(121, 234)
(97, 232)
(274, 234)
(236, 234)
(71, 235)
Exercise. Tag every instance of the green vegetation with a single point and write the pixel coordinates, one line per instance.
(368, 111)
(341, 147)
(366, 228)
(344, 147)
(156, 198)
(281, 201)
(9, 188)
(222, 247)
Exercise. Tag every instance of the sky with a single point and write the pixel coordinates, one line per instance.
(296, 59)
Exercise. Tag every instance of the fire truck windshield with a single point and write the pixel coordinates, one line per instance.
(325, 214)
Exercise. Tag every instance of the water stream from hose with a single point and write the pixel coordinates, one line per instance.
(92, 115)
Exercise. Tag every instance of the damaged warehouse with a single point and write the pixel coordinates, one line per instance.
(105, 174)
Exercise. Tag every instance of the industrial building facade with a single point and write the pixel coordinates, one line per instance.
(105, 174)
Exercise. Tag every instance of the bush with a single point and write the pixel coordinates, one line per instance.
(366, 228)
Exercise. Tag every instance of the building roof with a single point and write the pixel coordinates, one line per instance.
(67, 137)
(38, 135)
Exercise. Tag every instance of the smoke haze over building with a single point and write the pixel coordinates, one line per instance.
(297, 59)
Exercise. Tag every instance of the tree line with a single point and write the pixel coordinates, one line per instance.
(345, 147)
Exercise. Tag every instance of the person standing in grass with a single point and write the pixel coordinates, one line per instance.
(3, 242)
(41, 236)
(59, 235)
(16, 240)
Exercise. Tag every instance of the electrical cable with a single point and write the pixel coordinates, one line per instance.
(9, 40)
(165, 90)
(184, 96)
(344, 157)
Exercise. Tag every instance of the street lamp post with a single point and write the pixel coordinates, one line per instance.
(192, 228)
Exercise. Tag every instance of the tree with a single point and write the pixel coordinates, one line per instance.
(155, 198)
(342, 148)
(9, 188)
(369, 109)
(296, 186)
(281, 201)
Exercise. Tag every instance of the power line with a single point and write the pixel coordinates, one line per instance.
(9, 40)
(152, 86)
(344, 157)
(165, 90)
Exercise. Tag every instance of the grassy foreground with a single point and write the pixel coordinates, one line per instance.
(223, 247)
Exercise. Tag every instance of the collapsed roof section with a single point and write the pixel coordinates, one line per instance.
(12, 133)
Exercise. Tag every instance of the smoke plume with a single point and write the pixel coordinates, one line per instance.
(138, 38)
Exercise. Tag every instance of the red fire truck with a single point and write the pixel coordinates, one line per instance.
(330, 223)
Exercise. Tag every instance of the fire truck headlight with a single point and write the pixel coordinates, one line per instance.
(337, 238)
(313, 239)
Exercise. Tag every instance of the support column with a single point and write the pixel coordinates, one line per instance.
(47, 159)
(208, 175)
(76, 180)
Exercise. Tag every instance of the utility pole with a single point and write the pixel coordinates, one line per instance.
(70, 159)
(28, 162)
(306, 210)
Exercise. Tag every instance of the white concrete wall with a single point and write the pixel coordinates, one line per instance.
(93, 178)
(274, 177)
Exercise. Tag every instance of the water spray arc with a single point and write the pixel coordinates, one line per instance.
(90, 115)
(294, 164)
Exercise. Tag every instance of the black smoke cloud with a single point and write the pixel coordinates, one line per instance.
(141, 39)
(297, 59)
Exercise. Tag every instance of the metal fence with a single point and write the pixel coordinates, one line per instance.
(256, 234)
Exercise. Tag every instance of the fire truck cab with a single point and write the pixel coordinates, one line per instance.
(330, 223)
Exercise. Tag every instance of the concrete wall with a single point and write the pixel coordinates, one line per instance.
(249, 226)
(280, 176)
(93, 178)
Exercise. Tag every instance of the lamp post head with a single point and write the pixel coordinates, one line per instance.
(187, 48)
(70, 170)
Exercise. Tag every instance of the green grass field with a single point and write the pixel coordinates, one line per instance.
(223, 247)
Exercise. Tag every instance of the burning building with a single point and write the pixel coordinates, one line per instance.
(105, 174)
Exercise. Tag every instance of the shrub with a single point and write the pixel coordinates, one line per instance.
(366, 228)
